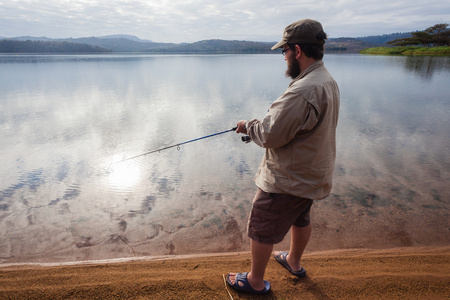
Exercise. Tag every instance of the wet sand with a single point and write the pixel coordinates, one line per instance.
(396, 273)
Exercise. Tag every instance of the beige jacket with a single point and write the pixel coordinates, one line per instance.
(299, 134)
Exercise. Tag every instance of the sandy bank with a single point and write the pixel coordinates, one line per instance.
(400, 273)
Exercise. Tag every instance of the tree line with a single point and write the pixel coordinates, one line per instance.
(13, 46)
(434, 36)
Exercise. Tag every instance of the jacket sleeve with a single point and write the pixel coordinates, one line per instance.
(288, 116)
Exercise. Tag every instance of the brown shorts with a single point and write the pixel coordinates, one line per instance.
(272, 216)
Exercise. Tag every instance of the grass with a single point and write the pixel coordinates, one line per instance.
(410, 50)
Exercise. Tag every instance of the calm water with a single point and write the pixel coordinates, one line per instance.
(66, 120)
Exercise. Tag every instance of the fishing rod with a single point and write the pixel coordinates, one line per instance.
(179, 144)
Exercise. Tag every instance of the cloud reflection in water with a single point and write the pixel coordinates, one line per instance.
(63, 198)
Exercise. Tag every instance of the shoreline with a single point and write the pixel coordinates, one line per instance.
(408, 51)
(121, 260)
(395, 273)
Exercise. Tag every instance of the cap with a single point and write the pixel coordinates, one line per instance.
(302, 31)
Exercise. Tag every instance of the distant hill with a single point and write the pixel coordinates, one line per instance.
(347, 45)
(118, 44)
(215, 46)
(354, 45)
(12, 46)
(114, 43)
(125, 36)
(31, 38)
(383, 39)
(131, 43)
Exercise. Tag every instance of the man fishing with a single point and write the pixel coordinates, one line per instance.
(299, 136)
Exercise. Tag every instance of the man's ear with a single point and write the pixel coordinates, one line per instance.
(298, 52)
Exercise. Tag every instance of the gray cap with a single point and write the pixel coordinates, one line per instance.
(302, 31)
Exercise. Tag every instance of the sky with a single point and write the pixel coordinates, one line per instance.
(186, 21)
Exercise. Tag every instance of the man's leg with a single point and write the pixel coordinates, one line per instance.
(260, 257)
(299, 239)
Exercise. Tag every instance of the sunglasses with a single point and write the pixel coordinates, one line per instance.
(283, 52)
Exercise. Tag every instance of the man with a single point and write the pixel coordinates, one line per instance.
(299, 135)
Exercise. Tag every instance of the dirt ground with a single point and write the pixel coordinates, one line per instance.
(399, 273)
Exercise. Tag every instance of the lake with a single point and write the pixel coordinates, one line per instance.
(68, 121)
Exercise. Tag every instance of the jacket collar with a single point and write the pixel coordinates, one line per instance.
(314, 66)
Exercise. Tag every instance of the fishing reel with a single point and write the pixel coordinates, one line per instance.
(246, 139)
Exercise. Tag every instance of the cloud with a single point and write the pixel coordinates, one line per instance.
(194, 20)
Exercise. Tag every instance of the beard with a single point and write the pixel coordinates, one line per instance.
(293, 69)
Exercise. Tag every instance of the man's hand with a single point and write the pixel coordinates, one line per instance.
(241, 127)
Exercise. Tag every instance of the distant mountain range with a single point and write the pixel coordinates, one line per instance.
(130, 43)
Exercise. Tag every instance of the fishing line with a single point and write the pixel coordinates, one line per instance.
(176, 145)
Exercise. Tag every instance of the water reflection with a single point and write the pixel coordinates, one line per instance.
(123, 175)
(63, 196)
(426, 66)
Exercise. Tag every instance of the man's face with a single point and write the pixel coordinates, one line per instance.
(293, 66)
